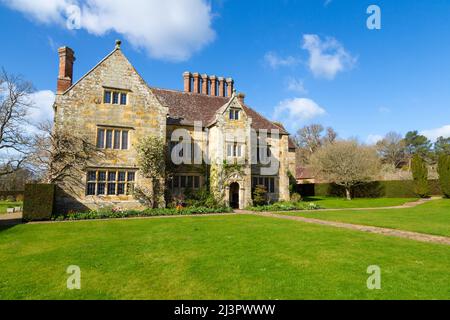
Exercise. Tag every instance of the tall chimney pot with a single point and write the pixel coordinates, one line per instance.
(187, 76)
(221, 87)
(196, 88)
(213, 85)
(230, 87)
(205, 84)
(65, 76)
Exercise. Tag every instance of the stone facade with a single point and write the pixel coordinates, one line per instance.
(83, 109)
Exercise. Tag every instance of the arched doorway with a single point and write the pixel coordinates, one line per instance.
(234, 195)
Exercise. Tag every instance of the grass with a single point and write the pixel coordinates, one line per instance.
(341, 203)
(215, 257)
(7, 204)
(432, 217)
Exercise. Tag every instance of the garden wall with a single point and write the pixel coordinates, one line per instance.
(377, 189)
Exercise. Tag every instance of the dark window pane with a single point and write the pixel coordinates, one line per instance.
(131, 176)
(231, 114)
(115, 98)
(272, 185)
(266, 183)
(91, 176)
(111, 188)
(101, 189)
(122, 176)
(116, 139)
(176, 182)
(107, 96)
(124, 140)
(189, 182)
(101, 138)
(196, 182)
(109, 136)
(183, 181)
(121, 188)
(111, 176)
(255, 182)
(102, 176)
(90, 189)
(236, 115)
(123, 99)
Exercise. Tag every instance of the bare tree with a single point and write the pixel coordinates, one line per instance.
(60, 156)
(311, 138)
(15, 103)
(392, 149)
(346, 163)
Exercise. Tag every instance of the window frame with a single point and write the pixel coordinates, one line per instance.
(116, 97)
(108, 178)
(116, 132)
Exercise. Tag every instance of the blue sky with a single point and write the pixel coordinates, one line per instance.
(297, 61)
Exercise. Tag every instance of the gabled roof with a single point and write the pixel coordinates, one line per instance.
(187, 107)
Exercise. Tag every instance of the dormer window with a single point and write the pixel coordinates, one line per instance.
(234, 114)
(115, 97)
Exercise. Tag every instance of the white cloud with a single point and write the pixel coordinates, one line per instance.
(42, 106)
(294, 111)
(326, 57)
(384, 110)
(433, 134)
(275, 61)
(373, 139)
(170, 29)
(296, 85)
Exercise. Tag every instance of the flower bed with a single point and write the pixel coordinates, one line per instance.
(285, 206)
(117, 214)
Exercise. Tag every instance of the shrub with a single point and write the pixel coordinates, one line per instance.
(285, 206)
(260, 196)
(420, 176)
(201, 198)
(295, 197)
(444, 174)
(11, 199)
(38, 202)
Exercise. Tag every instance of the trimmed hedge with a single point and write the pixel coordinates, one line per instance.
(17, 195)
(38, 202)
(377, 189)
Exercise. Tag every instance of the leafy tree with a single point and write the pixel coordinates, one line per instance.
(444, 174)
(392, 149)
(260, 196)
(417, 144)
(152, 158)
(420, 176)
(442, 146)
(346, 163)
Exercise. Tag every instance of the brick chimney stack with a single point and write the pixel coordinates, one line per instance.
(205, 84)
(66, 61)
(230, 87)
(187, 76)
(213, 85)
(196, 88)
(221, 87)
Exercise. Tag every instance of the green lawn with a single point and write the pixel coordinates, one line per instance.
(215, 257)
(6, 204)
(338, 203)
(432, 217)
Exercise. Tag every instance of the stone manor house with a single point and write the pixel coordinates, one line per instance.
(113, 107)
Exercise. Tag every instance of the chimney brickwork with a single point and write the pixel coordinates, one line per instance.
(208, 85)
(65, 76)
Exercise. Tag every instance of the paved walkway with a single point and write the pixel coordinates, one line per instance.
(422, 237)
(10, 219)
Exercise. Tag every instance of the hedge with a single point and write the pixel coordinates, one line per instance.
(377, 189)
(17, 195)
(38, 202)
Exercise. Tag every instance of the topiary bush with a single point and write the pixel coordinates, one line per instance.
(38, 202)
(260, 196)
(444, 174)
(420, 176)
